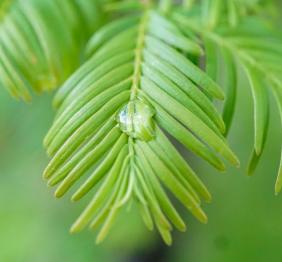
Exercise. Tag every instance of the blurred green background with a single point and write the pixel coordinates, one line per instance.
(245, 218)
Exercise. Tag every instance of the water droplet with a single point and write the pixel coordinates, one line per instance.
(136, 120)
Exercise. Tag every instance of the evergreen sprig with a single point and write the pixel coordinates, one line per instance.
(136, 60)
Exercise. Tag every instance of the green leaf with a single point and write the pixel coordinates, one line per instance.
(230, 82)
(260, 98)
(278, 95)
(211, 12)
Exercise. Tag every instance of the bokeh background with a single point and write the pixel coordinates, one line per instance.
(245, 217)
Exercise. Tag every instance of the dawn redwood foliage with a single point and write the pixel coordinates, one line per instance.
(130, 77)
